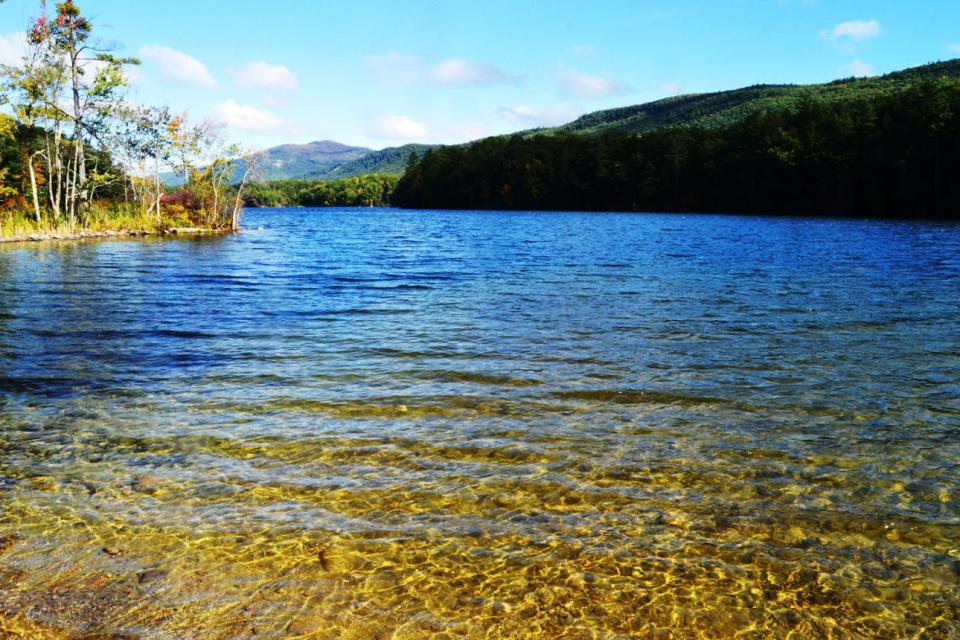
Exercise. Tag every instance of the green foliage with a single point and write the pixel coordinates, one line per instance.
(724, 108)
(100, 217)
(373, 190)
(889, 153)
(392, 160)
(75, 142)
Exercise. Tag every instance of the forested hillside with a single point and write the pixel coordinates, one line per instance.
(390, 160)
(327, 160)
(878, 153)
(724, 108)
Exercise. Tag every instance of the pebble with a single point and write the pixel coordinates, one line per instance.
(8, 541)
(111, 551)
(497, 607)
(581, 580)
(304, 626)
(151, 575)
(148, 484)
(673, 519)
(44, 483)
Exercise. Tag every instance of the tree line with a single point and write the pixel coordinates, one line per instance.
(371, 190)
(73, 146)
(887, 155)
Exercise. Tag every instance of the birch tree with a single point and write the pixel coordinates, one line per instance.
(69, 86)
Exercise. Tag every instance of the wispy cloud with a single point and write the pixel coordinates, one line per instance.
(860, 69)
(582, 85)
(245, 117)
(671, 88)
(178, 66)
(262, 75)
(400, 68)
(391, 126)
(955, 48)
(852, 31)
(462, 72)
(537, 117)
(394, 67)
(466, 131)
(583, 50)
(13, 47)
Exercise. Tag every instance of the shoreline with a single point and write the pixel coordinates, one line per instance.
(95, 235)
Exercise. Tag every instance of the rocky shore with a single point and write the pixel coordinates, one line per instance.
(86, 235)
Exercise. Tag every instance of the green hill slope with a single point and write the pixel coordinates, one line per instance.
(392, 160)
(291, 161)
(885, 147)
(723, 108)
(327, 160)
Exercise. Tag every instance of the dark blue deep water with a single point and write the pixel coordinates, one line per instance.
(349, 423)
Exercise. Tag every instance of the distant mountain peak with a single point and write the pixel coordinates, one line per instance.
(332, 146)
(329, 159)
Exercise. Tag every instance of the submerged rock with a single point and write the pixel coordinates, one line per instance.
(323, 557)
(305, 626)
(498, 607)
(7, 541)
(44, 483)
(676, 519)
(148, 484)
(151, 575)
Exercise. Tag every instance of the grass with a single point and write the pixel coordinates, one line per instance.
(98, 218)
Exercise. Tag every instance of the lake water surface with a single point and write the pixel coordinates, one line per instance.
(376, 424)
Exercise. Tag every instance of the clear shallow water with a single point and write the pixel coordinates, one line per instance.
(382, 424)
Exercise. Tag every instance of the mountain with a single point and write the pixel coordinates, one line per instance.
(293, 161)
(328, 160)
(723, 108)
(876, 147)
(392, 160)
(324, 160)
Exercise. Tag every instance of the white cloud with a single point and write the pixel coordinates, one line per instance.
(261, 75)
(275, 101)
(179, 66)
(131, 73)
(535, 117)
(467, 131)
(398, 68)
(460, 72)
(860, 69)
(397, 127)
(670, 88)
(394, 67)
(852, 31)
(583, 50)
(583, 85)
(954, 47)
(13, 47)
(245, 117)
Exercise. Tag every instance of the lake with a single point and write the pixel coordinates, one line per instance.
(383, 424)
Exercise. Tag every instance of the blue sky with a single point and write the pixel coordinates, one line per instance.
(377, 73)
